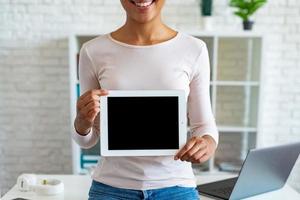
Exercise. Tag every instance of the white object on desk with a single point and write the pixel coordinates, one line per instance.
(25, 182)
(77, 188)
(44, 186)
(51, 187)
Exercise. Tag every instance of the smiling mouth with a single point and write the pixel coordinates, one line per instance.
(142, 4)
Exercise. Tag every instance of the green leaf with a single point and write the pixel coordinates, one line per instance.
(245, 8)
(238, 4)
(242, 15)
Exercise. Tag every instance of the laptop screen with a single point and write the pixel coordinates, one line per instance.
(143, 123)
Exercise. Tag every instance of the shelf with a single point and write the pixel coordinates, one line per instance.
(235, 83)
(237, 129)
(221, 34)
(91, 157)
(233, 129)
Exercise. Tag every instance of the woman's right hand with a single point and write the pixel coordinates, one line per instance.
(88, 106)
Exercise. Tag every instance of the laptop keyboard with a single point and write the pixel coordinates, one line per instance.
(226, 191)
(222, 189)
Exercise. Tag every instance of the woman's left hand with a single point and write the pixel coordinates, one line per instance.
(197, 150)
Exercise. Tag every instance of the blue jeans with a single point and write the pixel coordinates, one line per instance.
(99, 191)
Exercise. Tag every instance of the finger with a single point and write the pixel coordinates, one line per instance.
(199, 155)
(93, 113)
(92, 105)
(203, 158)
(95, 91)
(186, 148)
(191, 152)
(81, 104)
(91, 95)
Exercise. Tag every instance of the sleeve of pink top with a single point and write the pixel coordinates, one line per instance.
(201, 119)
(88, 80)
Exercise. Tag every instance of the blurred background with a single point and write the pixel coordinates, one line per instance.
(255, 85)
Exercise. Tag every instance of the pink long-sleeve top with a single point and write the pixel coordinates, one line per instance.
(179, 63)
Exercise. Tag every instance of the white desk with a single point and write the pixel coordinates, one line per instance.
(77, 187)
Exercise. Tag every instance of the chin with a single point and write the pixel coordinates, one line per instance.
(142, 11)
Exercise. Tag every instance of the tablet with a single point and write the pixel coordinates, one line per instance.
(142, 122)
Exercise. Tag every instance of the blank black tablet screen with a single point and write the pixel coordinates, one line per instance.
(143, 123)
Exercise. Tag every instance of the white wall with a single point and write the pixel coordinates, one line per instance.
(34, 93)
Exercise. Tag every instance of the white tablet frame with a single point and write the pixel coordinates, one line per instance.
(182, 109)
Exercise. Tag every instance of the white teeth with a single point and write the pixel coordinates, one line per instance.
(143, 4)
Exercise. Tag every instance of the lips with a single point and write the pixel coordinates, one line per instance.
(142, 4)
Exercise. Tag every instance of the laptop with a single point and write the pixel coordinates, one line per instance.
(263, 170)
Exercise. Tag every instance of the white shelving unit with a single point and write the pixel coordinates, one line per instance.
(236, 62)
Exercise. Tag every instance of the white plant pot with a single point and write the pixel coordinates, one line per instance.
(207, 23)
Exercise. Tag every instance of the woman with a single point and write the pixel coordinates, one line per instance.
(146, 54)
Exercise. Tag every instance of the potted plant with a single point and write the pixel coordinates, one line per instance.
(206, 10)
(246, 8)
